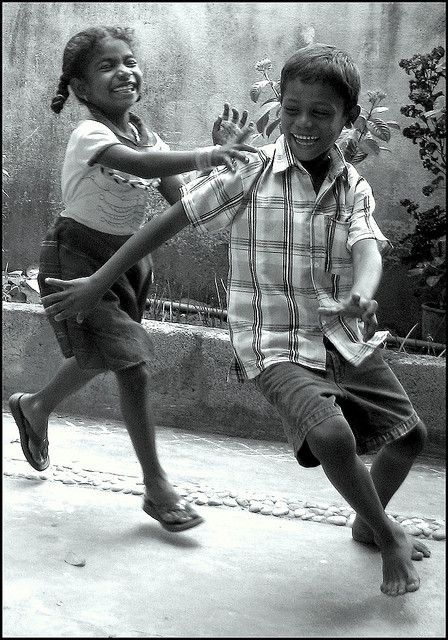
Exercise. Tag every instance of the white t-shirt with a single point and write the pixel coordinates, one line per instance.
(101, 198)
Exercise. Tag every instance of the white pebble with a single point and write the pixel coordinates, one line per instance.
(243, 502)
(266, 510)
(230, 502)
(339, 520)
(298, 513)
(440, 534)
(215, 502)
(317, 518)
(280, 511)
(255, 506)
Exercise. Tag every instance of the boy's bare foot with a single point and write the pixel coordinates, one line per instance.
(399, 575)
(361, 532)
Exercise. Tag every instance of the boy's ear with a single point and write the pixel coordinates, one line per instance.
(79, 87)
(352, 115)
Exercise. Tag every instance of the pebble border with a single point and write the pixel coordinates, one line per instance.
(254, 502)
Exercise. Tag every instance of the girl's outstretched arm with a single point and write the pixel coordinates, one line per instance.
(79, 296)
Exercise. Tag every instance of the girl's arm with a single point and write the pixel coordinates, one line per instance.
(158, 164)
(170, 188)
(78, 297)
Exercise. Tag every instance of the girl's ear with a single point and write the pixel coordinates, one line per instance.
(352, 115)
(79, 87)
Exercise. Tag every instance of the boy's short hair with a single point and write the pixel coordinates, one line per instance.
(327, 64)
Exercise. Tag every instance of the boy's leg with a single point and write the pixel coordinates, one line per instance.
(389, 469)
(333, 444)
(134, 388)
(37, 407)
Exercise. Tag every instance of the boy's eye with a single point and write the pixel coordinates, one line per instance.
(131, 62)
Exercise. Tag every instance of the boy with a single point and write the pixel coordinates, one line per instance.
(305, 263)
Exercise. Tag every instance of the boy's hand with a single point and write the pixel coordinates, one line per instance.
(356, 307)
(77, 298)
(226, 130)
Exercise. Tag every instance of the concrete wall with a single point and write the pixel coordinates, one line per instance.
(189, 388)
(196, 55)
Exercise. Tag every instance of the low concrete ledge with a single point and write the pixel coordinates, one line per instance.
(189, 387)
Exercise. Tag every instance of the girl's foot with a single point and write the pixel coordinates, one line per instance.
(361, 532)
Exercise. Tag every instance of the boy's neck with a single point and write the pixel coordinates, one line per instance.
(318, 169)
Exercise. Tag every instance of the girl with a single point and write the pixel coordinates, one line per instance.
(111, 163)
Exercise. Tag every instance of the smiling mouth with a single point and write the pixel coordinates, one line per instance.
(125, 88)
(305, 141)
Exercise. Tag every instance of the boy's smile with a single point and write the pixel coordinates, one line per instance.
(312, 118)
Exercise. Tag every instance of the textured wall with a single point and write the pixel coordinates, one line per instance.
(195, 56)
(188, 380)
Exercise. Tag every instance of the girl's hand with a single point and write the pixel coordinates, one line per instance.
(226, 131)
(77, 298)
(355, 307)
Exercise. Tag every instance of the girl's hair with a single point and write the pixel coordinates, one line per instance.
(77, 53)
(326, 64)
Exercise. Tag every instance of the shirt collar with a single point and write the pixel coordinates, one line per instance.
(284, 159)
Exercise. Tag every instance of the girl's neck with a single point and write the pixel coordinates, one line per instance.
(119, 120)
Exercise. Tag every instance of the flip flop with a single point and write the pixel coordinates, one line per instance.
(27, 434)
(159, 511)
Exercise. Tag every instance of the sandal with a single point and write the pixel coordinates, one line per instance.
(159, 512)
(27, 435)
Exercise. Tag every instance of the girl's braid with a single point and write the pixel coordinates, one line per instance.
(76, 57)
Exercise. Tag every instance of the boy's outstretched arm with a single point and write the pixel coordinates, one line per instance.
(367, 270)
(78, 297)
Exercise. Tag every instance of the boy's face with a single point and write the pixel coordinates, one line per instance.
(312, 118)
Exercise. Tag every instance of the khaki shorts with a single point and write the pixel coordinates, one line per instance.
(369, 397)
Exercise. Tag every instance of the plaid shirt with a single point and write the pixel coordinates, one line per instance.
(289, 253)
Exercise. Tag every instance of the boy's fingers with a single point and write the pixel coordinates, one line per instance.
(225, 112)
(55, 282)
(235, 115)
(244, 118)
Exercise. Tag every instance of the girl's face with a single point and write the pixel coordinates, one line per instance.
(312, 118)
(112, 80)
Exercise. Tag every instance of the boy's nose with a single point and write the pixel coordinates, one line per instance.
(302, 120)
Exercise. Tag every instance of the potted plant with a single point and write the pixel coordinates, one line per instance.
(423, 250)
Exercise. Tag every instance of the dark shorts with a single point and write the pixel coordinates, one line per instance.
(369, 397)
(111, 337)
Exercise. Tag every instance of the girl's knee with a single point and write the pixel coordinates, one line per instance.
(332, 440)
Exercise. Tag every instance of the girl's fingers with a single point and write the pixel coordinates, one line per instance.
(235, 115)
(243, 118)
(225, 112)
(56, 282)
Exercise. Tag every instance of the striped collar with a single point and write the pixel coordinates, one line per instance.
(284, 159)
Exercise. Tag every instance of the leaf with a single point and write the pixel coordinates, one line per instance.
(392, 124)
(386, 149)
(359, 157)
(369, 144)
(268, 106)
(262, 122)
(379, 109)
(360, 122)
(270, 128)
(379, 129)
(256, 89)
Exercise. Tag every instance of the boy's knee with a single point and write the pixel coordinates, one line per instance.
(414, 441)
(332, 440)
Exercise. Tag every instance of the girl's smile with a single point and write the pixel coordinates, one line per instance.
(112, 80)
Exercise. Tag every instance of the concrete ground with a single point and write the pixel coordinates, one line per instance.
(240, 574)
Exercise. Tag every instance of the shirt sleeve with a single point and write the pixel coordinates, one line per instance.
(211, 202)
(362, 223)
(90, 139)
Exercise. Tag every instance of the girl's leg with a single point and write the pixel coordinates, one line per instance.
(134, 389)
(389, 470)
(36, 407)
(333, 444)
